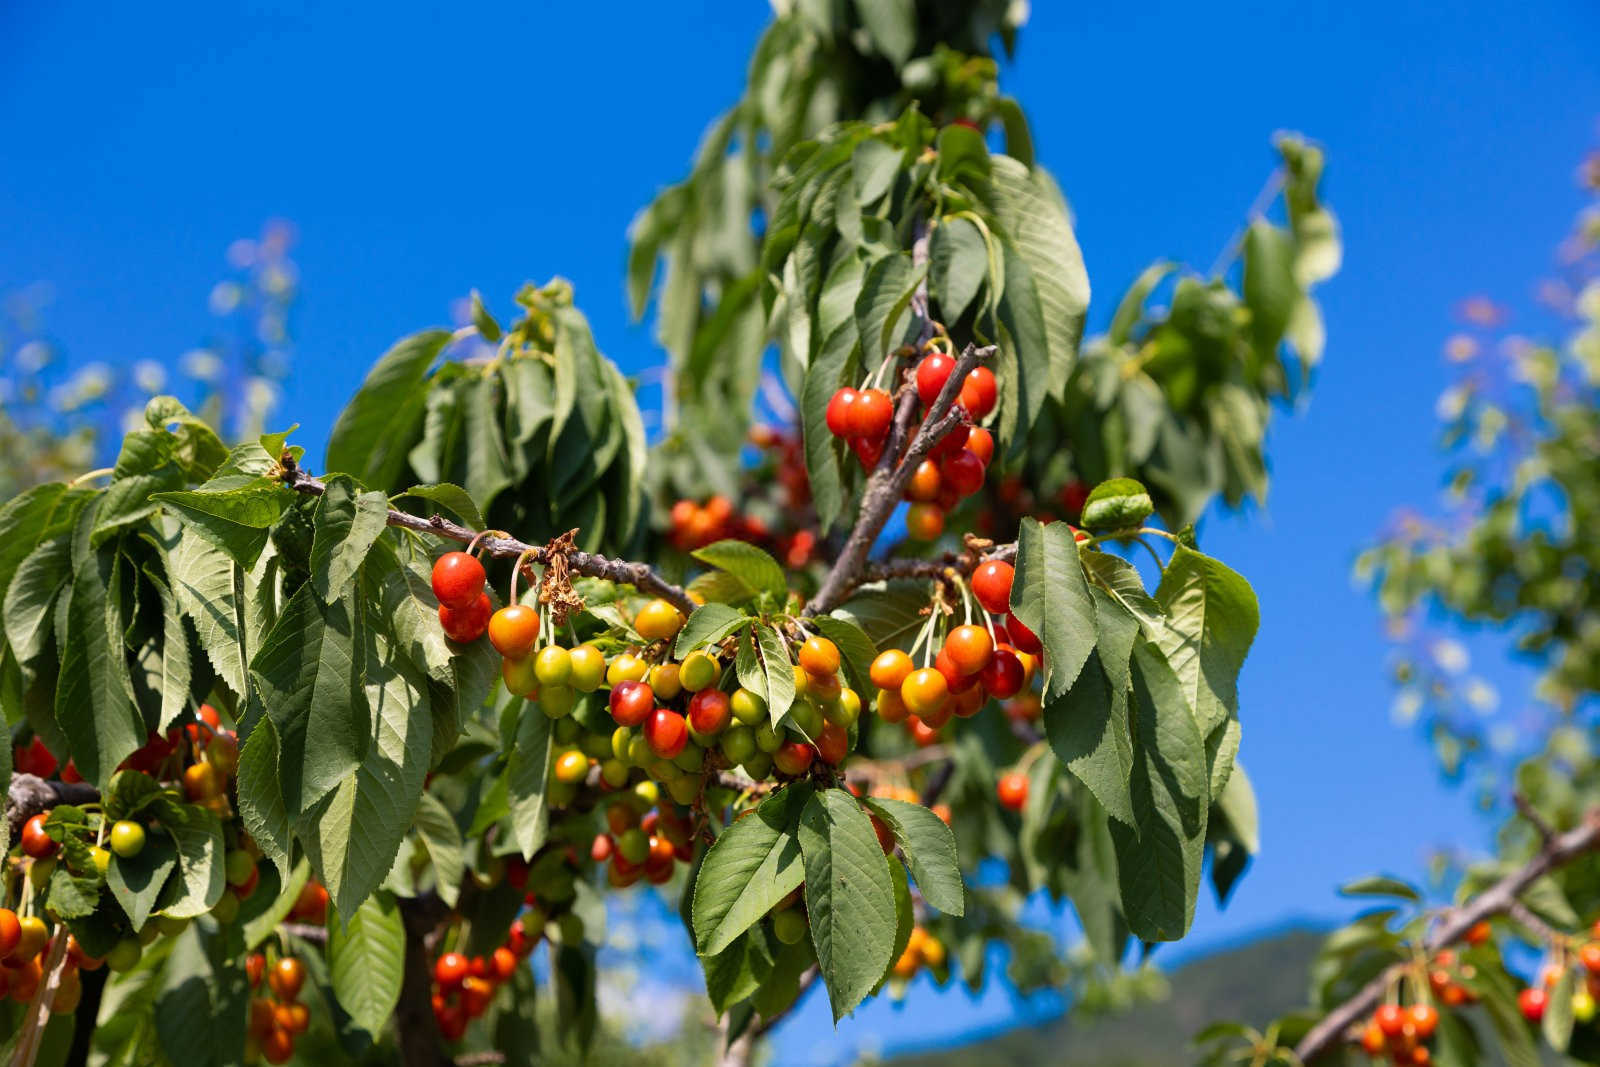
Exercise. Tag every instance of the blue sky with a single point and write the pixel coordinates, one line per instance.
(424, 151)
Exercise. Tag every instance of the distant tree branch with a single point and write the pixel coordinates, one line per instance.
(29, 795)
(1499, 899)
(589, 564)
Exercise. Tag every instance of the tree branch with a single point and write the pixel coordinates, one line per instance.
(888, 482)
(1499, 899)
(589, 564)
(29, 795)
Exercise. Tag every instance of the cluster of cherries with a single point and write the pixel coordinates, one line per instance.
(24, 943)
(956, 467)
(647, 845)
(464, 986)
(692, 526)
(276, 1020)
(1401, 1033)
(922, 950)
(1534, 1000)
(974, 664)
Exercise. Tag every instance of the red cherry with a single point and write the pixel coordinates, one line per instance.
(952, 442)
(36, 842)
(833, 744)
(513, 630)
(457, 580)
(871, 414)
(970, 648)
(924, 484)
(1391, 1019)
(666, 733)
(632, 702)
(868, 450)
(934, 370)
(961, 473)
(1532, 1003)
(991, 584)
(1012, 790)
(449, 970)
(978, 392)
(955, 679)
(840, 407)
(467, 624)
(793, 758)
(1004, 674)
(1023, 638)
(980, 442)
(710, 712)
(601, 849)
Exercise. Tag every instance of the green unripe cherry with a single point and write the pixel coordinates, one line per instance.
(1583, 1006)
(553, 665)
(697, 671)
(239, 866)
(845, 711)
(805, 718)
(622, 743)
(557, 701)
(39, 872)
(560, 793)
(567, 731)
(758, 766)
(639, 753)
(124, 955)
(633, 845)
(102, 859)
(691, 759)
(596, 746)
(748, 708)
(685, 790)
(519, 677)
(149, 932)
(614, 772)
(789, 925)
(171, 925)
(646, 795)
(587, 668)
(738, 744)
(226, 909)
(767, 739)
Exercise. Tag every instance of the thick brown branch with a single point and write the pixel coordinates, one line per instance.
(1499, 899)
(589, 564)
(29, 795)
(888, 482)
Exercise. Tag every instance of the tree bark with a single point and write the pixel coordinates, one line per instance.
(416, 1032)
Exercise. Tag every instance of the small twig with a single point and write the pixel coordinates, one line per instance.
(1526, 809)
(38, 1010)
(1520, 914)
(305, 932)
(480, 1059)
(1501, 898)
(589, 564)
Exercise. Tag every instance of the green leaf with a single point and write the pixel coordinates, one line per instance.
(748, 563)
(261, 803)
(1237, 804)
(1089, 731)
(265, 925)
(738, 970)
(849, 897)
(960, 263)
(777, 670)
(175, 672)
(1212, 620)
(377, 427)
(29, 602)
(873, 168)
(442, 837)
(709, 624)
(145, 466)
(1051, 596)
(1131, 307)
(236, 516)
(1269, 287)
(197, 833)
(137, 883)
(825, 374)
(200, 1016)
(753, 865)
(33, 517)
(210, 589)
(308, 673)
(346, 523)
(885, 294)
(905, 918)
(354, 834)
(453, 499)
(366, 961)
(1117, 504)
(856, 649)
(94, 694)
(891, 25)
(930, 849)
(1036, 223)
(963, 157)
(527, 771)
(1159, 858)
(1557, 1023)
(488, 329)
(1379, 885)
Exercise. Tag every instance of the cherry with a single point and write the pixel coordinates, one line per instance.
(449, 969)
(934, 370)
(924, 484)
(631, 703)
(513, 630)
(286, 978)
(1003, 676)
(710, 712)
(839, 414)
(658, 620)
(697, 671)
(1023, 638)
(1373, 1043)
(868, 450)
(820, 657)
(979, 391)
(871, 414)
(1391, 1019)
(502, 964)
(891, 706)
(924, 522)
(571, 767)
(833, 744)
(457, 580)
(952, 442)
(991, 584)
(793, 757)
(202, 781)
(889, 670)
(1478, 934)
(1589, 956)
(277, 1045)
(922, 735)
(35, 841)
(1012, 790)
(980, 442)
(970, 648)
(1425, 1018)
(666, 733)
(1532, 1004)
(127, 839)
(588, 668)
(10, 932)
(961, 473)
(465, 625)
(924, 691)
